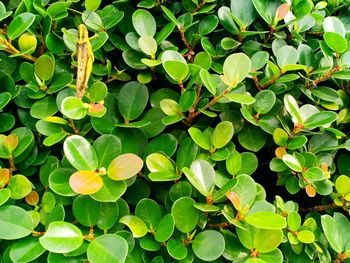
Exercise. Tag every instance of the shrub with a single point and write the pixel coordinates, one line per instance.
(156, 131)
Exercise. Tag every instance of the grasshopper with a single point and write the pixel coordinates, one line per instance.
(85, 60)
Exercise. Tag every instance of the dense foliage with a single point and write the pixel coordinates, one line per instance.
(162, 137)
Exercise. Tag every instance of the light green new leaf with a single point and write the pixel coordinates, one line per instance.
(202, 176)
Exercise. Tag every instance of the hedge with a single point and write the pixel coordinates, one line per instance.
(174, 131)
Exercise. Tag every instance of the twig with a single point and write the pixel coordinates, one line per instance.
(219, 225)
(190, 53)
(199, 6)
(71, 124)
(318, 208)
(324, 77)
(12, 50)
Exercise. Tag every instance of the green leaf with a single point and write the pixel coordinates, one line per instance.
(266, 220)
(92, 4)
(80, 153)
(86, 210)
(267, 9)
(208, 81)
(15, 222)
(208, 24)
(61, 237)
(294, 221)
(19, 186)
(125, 166)
(5, 98)
(314, 174)
(234, 163)
(243, 12)
(148, 45)
(44, 67)
(333, 24)
(199, 138)
(245, 188)
(252, 138)
(292, 107)
(202, 176)
(264, 101)
(98, 91)
(136, 225)
(149, 211)
(319, 119)
(20, 24)
(280, 137)
(185, 222)
(336, 42)
(26, 250)
(73, 108)
(44, 108)
(245, 99)
(132, 100)
(267, 240)
(223, 133)
(176, 249)
(306, 236)
(111, 190)
(208, 245)
(170, 107)
(165, 228)
(102, 249)
(292, 162)
(332, 233)
(287, 55)
(259, 59)
(5, 194)
(175, 65)
(342, 184)
(236, 68)
(107, 147)
(144, 23)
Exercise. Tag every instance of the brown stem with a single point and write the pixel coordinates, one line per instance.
(182, 87)
(190, 53)
(12, 50)
(12, 165)
(219, 225)
(90, 236)
(199, 6)
(324, 77)
(256, 82)
(318, 208)
(37, 233)
(272, 30)
(72, 125)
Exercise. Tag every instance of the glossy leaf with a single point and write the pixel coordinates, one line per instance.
(61, 237)
(125, 166)
(80, 153)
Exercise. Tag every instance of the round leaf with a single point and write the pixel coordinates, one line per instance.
(185, 221)
(202, 176)
(144, 23)
(85, 182)
(236, 68)
(103, 249)
(208, 245)
(15, 222)
(20, 24)
(175, 65)
(132, 100)
(125, 166)
(80, 153)
(61, 237)
(136, 225)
